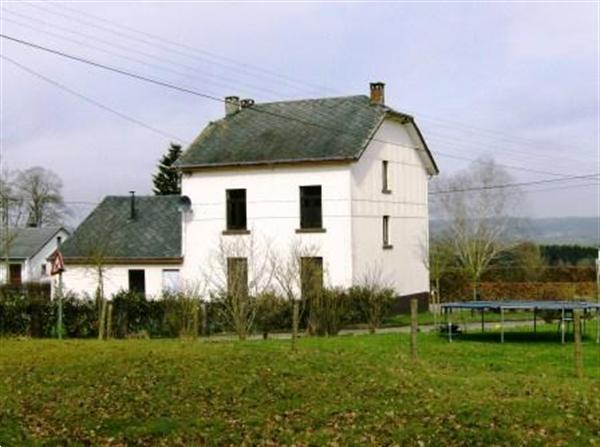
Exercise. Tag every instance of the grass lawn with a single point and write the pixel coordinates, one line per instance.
(352, 390)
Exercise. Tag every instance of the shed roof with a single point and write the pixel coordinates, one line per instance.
(154, 233)
(28, 241)
(325, 129)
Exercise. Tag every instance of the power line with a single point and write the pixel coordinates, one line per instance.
(253, 109)
(190, 71)
(237, 63)
(226, 63)
(560, 188)
(93, 101)
(514, 185)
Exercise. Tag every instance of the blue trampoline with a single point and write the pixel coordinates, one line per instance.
(563, 310)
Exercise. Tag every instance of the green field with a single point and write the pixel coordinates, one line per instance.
(350, 390)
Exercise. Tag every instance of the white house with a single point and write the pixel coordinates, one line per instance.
(344, 178)
(133, 242)
(28, 252)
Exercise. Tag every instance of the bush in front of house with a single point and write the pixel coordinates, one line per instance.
(273, 313)
(80, 316)
(325, 310)
(370, 304)
(25, 309)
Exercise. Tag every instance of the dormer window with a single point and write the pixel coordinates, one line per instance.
(385, 177)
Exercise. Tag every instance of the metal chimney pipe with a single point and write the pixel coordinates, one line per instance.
(132, 203)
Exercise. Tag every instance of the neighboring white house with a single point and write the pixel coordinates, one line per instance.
(344, 180)
(28, 252)
(133, 242)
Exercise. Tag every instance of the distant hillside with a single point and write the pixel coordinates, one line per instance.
(564, 230)
(556, 230)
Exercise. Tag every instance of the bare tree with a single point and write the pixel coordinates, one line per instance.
(97, 250)
(239, 272)
(374, 294)
(477, 212)
(287, 272)
(438, 257)
(11, 209)
(41, 192)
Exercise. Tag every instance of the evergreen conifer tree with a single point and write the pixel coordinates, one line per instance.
(167, 180)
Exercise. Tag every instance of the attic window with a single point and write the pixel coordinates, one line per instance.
(311, 213)
(236, 209)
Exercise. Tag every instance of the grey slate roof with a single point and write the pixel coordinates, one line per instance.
(154, 233)
(28, 241)
(290, 131)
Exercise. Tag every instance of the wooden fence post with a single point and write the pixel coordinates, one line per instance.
(414, 327)
(577, 337)
(109, 321)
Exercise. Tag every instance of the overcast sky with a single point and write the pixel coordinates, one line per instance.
(518, 81)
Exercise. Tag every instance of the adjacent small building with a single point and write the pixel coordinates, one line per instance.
(346, 178)
(134, 242)
(28, 252)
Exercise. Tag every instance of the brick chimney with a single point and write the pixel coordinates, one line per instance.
(232, 105)
(377, 93)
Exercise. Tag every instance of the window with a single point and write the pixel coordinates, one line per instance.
(43, 270)
(385, 177)
(14, 272)
(237, 277)
(170, 280)
(137, 281)
(311, 216)
(386, 232)
(311, 276)
(236, 209)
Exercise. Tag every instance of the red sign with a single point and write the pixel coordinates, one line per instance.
(58, 263)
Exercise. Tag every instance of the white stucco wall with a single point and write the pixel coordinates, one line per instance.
(273, 215)
(84, 280)
(407, 205)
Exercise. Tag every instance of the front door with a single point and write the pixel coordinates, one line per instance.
(15, 274)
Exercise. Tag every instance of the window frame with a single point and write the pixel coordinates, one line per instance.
(386, 232)
(236, 209)
(231, 262)
(168, 288)
(304, 263)
(311, 214)
(130, 275)
(385, 177)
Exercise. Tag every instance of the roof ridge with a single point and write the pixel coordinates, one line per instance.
(325, 98)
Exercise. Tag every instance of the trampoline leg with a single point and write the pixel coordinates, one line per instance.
(597, 325)
(501, 325)
(534, 320)
(449, 332)
(482, 322)
(562, 326)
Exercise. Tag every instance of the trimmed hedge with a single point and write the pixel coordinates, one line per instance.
(530, 291)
